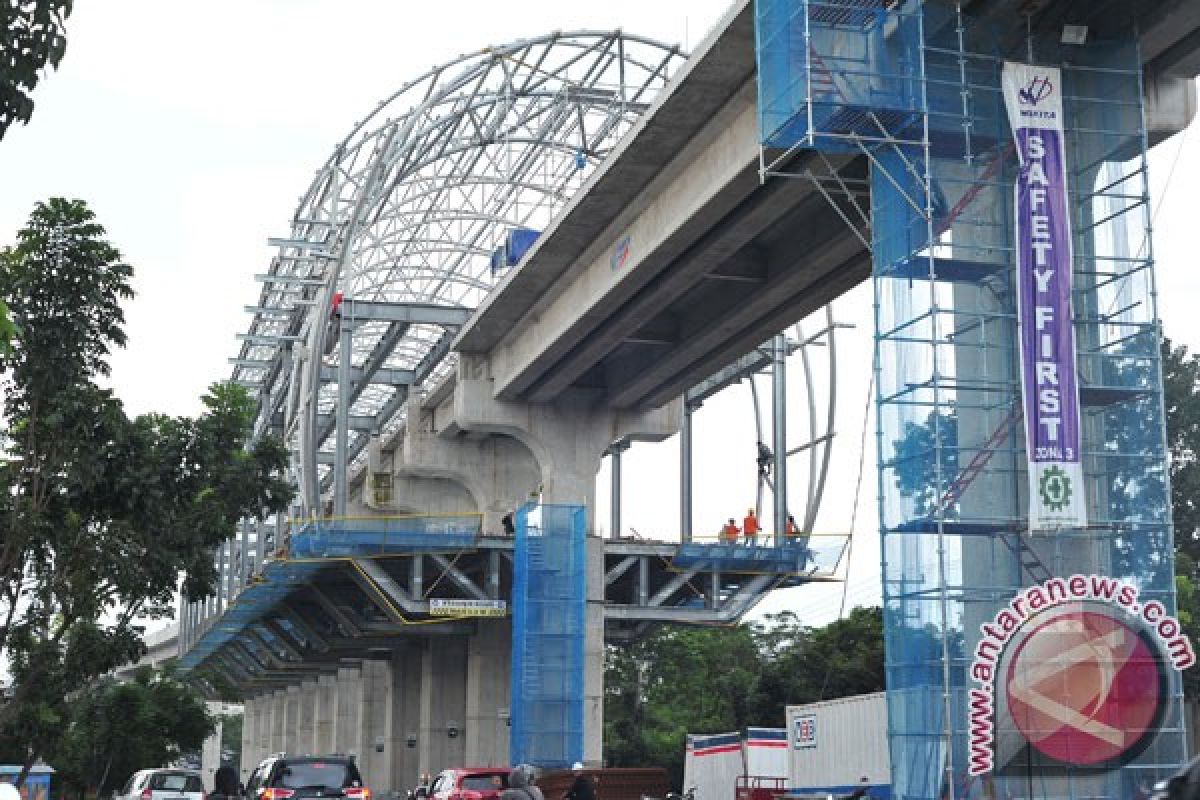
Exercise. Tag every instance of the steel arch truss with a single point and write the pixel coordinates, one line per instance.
(409, 209)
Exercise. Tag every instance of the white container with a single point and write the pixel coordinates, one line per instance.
(713, 764)
(835, 744)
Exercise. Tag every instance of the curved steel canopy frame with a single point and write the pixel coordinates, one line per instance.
(409, 208)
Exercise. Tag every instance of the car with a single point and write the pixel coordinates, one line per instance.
(163, 784)
(1183, 785)
(469, 783)
(284, 777)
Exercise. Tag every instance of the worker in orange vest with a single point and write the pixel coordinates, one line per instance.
(750, 526)
(729, 532)
(792, 529)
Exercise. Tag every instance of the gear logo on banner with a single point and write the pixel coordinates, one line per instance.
(1054, 487)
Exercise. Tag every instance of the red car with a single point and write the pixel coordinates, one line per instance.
(469, 783)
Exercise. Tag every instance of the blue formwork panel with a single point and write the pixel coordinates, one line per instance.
(339, 538)
(549, 606)
(834, 72)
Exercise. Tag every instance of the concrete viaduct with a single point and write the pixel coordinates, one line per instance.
(655, 284)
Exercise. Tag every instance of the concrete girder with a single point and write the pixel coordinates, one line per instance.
(833, 262)
(720, 253)
(710, 178)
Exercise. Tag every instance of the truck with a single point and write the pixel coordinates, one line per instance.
(739, 765)
(836, 747)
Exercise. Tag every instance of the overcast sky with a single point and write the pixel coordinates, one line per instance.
(192, 128)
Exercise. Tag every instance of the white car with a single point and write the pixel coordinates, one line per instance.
(163, 784)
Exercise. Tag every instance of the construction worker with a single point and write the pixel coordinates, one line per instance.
(750, 526)
(792, 529)
(729, 532)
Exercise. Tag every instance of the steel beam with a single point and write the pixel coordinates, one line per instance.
(458, 578)
(406, 313)
(389, 377)
(312, 639)
(779, 353)
(614, 574)
(393, 591)
(340, 618)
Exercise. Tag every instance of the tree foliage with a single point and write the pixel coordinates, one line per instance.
(34, 37)
(116, 729)
(99, 513)
(711, 680)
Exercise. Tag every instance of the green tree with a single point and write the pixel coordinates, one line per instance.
(231, 738)
(99, 513)
(115, 729)
(711, 680)
(34, 36)
(805, 665)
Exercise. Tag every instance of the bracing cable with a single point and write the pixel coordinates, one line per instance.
(862, 458)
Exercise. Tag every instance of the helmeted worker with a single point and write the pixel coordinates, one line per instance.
(750, 526)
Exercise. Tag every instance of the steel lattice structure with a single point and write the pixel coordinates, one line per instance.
(409, 209)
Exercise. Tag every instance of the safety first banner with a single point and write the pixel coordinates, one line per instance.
(1033, 98)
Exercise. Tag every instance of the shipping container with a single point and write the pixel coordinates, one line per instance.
(838, 746)
(712, 765)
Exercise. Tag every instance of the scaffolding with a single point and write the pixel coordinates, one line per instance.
(914, 89)
(549, 609)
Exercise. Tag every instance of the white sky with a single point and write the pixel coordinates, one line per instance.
(192, 128)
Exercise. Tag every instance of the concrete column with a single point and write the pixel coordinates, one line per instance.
(249, 743)
(593, 656)
(489, 664)
(406, 713)
(306, 721)
(264, 725)
(443, 704)
(210, 754)
(347, 712)
(375, 758)
(323, 724)
(278, 721)
(291, 720)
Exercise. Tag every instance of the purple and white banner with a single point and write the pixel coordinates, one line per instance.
(1050, 390)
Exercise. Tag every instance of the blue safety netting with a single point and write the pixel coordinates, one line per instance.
(327, 538)
(312, 547)
(277, 580)
(831, 72)
(915, 87)
(549, 608)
